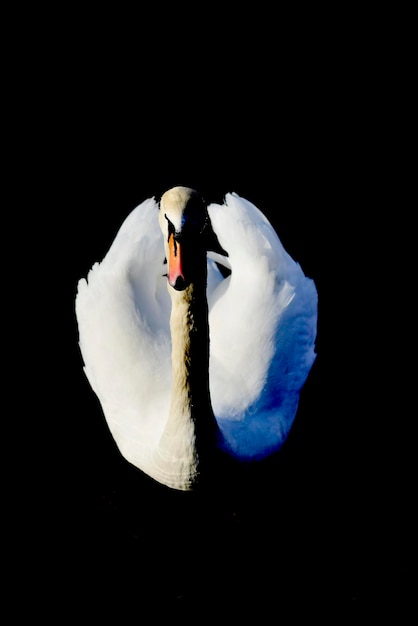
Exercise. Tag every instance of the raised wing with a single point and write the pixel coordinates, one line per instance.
(262, 329)
(123, 313)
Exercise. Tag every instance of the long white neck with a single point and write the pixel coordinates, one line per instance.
(191, 426)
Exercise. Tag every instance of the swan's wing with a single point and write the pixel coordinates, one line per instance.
(262, 326)
(123, 311)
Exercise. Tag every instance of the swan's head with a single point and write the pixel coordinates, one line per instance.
(188, 235)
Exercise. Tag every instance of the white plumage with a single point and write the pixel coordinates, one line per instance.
(262, 328)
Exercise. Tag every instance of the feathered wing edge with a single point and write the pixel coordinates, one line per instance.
(122, 311)
(263, 329)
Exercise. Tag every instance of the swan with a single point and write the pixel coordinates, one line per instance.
(197, 333)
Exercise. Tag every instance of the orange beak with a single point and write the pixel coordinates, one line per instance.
(175, 264)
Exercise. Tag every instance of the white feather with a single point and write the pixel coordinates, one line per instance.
(262, 321)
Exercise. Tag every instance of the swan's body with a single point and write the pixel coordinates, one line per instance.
(183, 360)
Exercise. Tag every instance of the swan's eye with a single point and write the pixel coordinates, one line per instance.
(205, 225)
(171, 229)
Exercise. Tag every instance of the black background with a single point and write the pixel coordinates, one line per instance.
(110, 116)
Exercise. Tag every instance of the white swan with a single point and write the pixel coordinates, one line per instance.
(145, 314)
